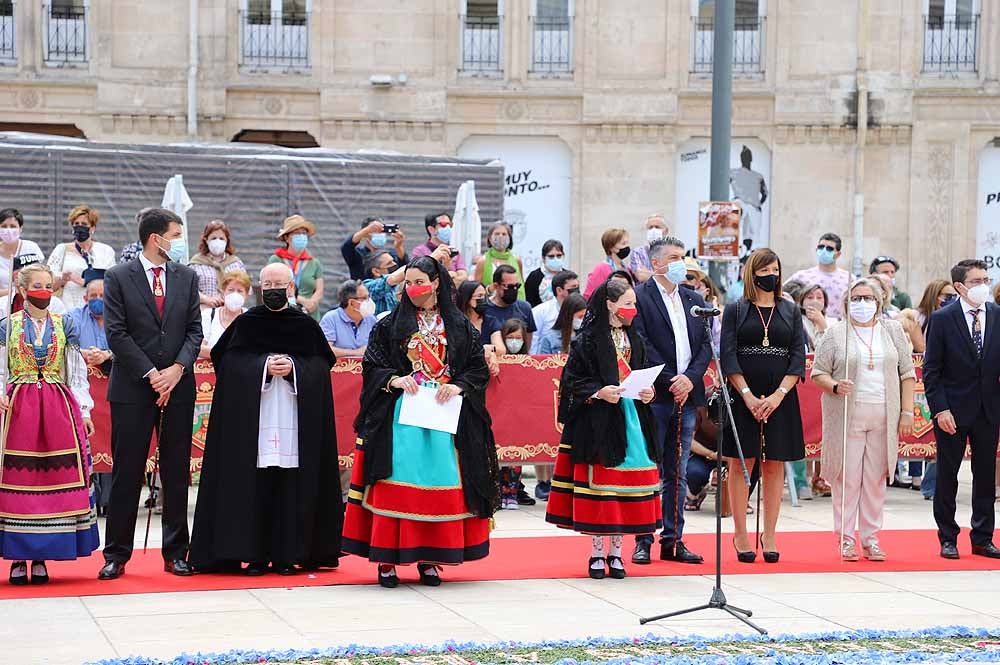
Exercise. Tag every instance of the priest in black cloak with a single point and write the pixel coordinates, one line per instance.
(270, 486)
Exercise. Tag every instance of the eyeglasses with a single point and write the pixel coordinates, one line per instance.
(831, 248)
(977, 282)
(512, 286)
(274, 285)
(883, 259)
(862, 298)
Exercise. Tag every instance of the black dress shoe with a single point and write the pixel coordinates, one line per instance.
(178, 567)
(285, 569)
(596, 573)
(256, 569)
(112, 570)
(41, 577)
(390, 581)
(616, 572)
(641, 554)
(949, 551)
(427, 579)
(679, 553)
(19, 573)
(987, 550)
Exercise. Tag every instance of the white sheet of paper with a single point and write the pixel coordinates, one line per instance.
(639, 379)
(422, 410)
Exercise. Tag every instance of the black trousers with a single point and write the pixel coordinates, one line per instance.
(132, 426)
(981, 435)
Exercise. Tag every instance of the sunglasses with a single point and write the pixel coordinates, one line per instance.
(829, 247)
(691, 278)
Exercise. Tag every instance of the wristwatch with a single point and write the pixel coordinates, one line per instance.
(835, 386)
(783, 390)
(745, 390)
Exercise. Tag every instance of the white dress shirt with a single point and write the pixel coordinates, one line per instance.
(148, 266)
(967, 309)
(675, 310)
(545, 315)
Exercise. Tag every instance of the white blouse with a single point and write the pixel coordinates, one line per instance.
(61, 260)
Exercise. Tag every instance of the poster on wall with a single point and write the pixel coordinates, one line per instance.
(538, 188)
(988, 213)
(719, 230)
(749, 183)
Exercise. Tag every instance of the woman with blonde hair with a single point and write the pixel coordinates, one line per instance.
(69, 259)
(865, 361)
(617, 250)
(47, 508)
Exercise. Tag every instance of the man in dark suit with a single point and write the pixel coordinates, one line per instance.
(153, 325)
(678, 341)
(962, 384)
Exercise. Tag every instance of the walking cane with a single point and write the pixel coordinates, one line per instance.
(5, 361)
(152, 478)
(843, 459)
(760, 479)
(677, 475)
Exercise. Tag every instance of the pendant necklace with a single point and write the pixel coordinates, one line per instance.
(868, 345)
(766, 342)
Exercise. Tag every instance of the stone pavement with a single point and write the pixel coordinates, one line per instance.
(74, 630)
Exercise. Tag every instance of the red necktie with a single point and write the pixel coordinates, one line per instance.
(158, 294)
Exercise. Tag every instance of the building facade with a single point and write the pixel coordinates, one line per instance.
(600, 109)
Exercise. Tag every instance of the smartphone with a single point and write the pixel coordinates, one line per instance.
(390, 228)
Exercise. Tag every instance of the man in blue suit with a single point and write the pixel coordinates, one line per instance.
(962, 385)
(678, 341)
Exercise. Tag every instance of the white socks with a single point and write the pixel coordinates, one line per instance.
(597, 551)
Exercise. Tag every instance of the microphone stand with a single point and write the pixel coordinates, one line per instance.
(718, 599)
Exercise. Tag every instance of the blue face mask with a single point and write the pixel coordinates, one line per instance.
(96, 306)
(444, 234)
(553, 263)
(676, 272)
(178, 250)
(299, 242)
(378, 240)
(825, 256)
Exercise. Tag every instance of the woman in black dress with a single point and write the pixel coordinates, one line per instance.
(763, 358)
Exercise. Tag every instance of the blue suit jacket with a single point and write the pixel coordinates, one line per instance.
(653, 323)
(955, 377)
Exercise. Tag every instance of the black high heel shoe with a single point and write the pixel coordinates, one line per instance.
(616, 573)
(595, 573)
(19, 567)
(36, 578)
(770, 556)
(744, 557)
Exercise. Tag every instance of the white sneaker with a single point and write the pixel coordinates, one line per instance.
(805, 494)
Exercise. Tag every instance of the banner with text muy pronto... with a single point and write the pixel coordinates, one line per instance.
(523, 402)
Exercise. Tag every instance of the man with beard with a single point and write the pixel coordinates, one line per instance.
(270, 491)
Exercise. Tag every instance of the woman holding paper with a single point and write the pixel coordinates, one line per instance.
(606, 480)
(421, 495)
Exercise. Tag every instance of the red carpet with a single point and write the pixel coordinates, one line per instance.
(515, 559)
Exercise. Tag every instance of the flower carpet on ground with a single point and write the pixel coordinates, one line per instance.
(948, 644)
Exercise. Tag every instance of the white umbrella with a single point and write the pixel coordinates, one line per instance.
(177, 201)
(468, 227)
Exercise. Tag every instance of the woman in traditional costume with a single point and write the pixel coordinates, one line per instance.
(606, 480)
(420, 495)
(46, 500)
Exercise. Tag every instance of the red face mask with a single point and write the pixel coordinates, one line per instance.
(626, 314)
(40, 298)
(418, 291)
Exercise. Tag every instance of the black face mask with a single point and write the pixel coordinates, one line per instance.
(81, 233)
(391, 268)
(274, 299)
(576, 290)
(766, 283)
(480, 307)
(509, 295)
(624, 252)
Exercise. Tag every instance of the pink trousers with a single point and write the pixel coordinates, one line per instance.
(864, 475)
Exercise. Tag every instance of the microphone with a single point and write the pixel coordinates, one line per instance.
(705, 312)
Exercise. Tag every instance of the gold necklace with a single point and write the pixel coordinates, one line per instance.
(868, 345)
(766, 342)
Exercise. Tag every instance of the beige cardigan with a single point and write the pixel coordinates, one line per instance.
(829, 360)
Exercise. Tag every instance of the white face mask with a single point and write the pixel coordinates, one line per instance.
(514, 345)
(11, 234)
(863, 311)
(217, 246)
(367, 307)
(577, 324)
(978, 294)
(652, 235)
(235, 301)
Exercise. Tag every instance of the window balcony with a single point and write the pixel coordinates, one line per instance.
(64, 33)
(950, 43)
(482, 45)
(551, 45)
(274, 40)
(748, 46)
